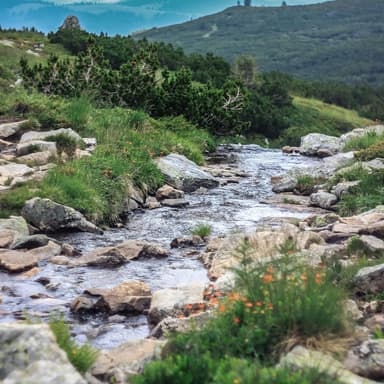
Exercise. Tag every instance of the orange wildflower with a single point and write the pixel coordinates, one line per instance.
(236, 320)
(270, 306)
(267, 278)
(259, 303)
(249, 305)
(304, 277)
(234, 296)
(221, 308)
(318, 278)
(270, 269)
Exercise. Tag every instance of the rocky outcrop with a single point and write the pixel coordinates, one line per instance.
(170, 302)
(301, 358)
(120, 254)
(360, 132)
(29, 147)
(367, 359)
(71, 23)
(29, 354)
(184, 174)
(316, 144)
(51, 217)
(131, 297)
(127, 360)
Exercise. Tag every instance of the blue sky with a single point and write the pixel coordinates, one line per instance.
(115, 16)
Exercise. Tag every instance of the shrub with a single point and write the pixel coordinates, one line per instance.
(363, 142)
(64, 143)
(30, 125)
(202, 230)
(372, 152)
(306, 184)
(81, 357)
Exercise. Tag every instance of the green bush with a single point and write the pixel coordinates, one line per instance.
(81, 357)
(64, 143)
(372, 152)
(362, 142)
(306, 184)
(202, 230)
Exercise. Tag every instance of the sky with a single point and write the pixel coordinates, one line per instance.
(115, 16)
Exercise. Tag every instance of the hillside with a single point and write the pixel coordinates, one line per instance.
(337, 40)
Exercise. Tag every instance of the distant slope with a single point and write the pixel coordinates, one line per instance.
(338, 40)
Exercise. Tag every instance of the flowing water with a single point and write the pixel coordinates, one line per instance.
(228, 208)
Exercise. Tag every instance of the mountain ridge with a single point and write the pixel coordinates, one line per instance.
(336, 40)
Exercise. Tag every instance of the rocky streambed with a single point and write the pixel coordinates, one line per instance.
(236, 205)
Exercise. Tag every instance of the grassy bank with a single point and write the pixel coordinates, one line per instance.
(128, 143)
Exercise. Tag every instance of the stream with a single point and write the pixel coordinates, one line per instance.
(230, 208)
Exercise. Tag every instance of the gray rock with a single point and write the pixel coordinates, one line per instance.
(314, 142)
(171, 301)
(36, 158)
(360, 132)
(373, 243)
(367, 359)
(342, 188)
(12, 170)
(42, 135)
(152, 203)
(185, 242)
(10, 129)
(301, 358)
(29, 147)
(71, 23)
(284, 184)
(171, 324)
(29, 355)
(353, 310)
(168, 192)
(12, 229)
(184, 174)
(175, 203)
(323, 200)
(131, 297)
(120, 254)
(128, 359)
(51, 217)
(370, 279)
(29, 242)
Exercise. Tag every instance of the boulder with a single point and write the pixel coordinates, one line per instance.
(152, 203)
(370, 279)
(323, 200)
(12, 229)
(120, 254)
(185, 242)
(29, 147)
(10, 129)
(373, 243)
(171, 324)
(131, 297)
(283, 184)
(51, 217)
(175, 203)
(184, 174)
(12, 170)
(301, 358)
(168, 192)
(127, 360)
(136, 194)
(30, 354)
(16, 261)
(170, 302)
(314, 142)
(71, 23)
(367, 359)
(42, 135)
(36, 158)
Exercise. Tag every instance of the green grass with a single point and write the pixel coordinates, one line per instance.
(363, 142)
(81, 357)
(202, 230)
(311, 115)
(306, 184)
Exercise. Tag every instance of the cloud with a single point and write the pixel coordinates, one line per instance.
(25, 8)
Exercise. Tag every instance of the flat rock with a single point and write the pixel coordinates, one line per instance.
(282, 184)
(36, 158)
(120, 254)
(131, 297)
(367, 359)
(52, 217)
(30, 354)
(301, 358)
(126, 360)
(184, 174)
(175, 203)
(12, 170)
(168, 192)
(170, 301)
(12, 229)
(185, 242)
(16, 261)
(29, 147)
(373, 243)
(42, 135)
(10, 129)
(29, 242)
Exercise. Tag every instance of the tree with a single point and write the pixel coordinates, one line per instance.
(245, 69)
(247, 3)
